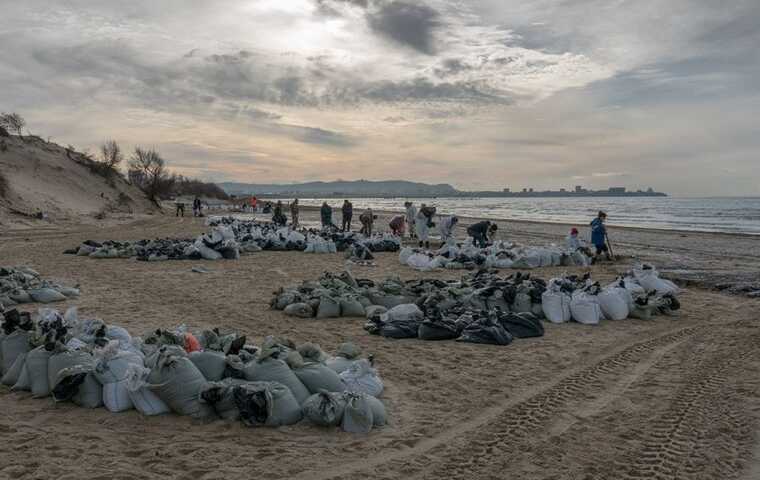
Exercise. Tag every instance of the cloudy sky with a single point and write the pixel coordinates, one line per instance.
(480, 94)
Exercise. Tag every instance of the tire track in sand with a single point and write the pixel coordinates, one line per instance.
(507, 423)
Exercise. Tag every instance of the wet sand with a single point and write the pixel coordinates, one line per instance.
(674, 398)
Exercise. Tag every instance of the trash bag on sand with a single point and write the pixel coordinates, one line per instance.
(362, 378)
(266, 404)
(485, 330)
(402, 321)
(324, 409)
(37, 366)
(647, 277)
(78, 384)
(351, 307)
(556, 306)
(439, 329)
(522, 325)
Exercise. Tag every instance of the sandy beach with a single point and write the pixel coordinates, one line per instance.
(674, 398)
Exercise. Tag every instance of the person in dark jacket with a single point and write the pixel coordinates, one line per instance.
(398, 225)
(325, 214)
(348, 212)
(197, 207)
(367, 219)
(481, 231)
(294, 212)
(279, 218)
(180, 208)
(599, 235)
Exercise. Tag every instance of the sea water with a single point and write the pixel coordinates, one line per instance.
(730, 215)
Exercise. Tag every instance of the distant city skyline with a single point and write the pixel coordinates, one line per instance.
(484, 95)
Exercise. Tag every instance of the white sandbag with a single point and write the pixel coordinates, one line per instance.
(420, 261)
(46, 295)
(328, 308)
(319, 377)
(24, 383)
(12, 375)
(178, 382)
(211, 364)
(275, 370)
(615, 303)
(585, 309)
(116, 397)
(90, 393)
(143, 400)
(300, 310)
(650, 280)
(556, 306)
(404, 254)
(63, 360)
(37, 366)
(360, 377)
(405, 313)
(14, 345)
(357, 415)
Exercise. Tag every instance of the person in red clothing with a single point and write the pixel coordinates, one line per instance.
(254, 203)
(398, 225)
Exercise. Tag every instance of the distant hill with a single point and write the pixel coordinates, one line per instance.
(41, 176)
(356, 188)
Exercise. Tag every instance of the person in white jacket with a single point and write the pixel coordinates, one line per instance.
(446, 227)
(422, 223)
(411, 215)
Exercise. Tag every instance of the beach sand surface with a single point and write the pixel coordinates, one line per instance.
(673, 398)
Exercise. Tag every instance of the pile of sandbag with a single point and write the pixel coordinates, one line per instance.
(24, 285)
(206, 375)
(640, 294)
(420, 308)
(498, 255)
(217, 244)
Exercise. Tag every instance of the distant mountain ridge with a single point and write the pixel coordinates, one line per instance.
(343, 188)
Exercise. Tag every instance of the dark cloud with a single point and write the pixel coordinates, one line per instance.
(452, 66)
(410, 24)
(318, 136)
(422, 89)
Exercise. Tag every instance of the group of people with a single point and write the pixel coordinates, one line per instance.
(197, 207)
(417, 224)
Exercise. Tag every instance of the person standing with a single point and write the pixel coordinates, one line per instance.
(254, 203)
(599, 235)
(197, 207)
(446, 228)
(325, 214)
(180, 207)
(294, 212)
(422, 223)
(279, 218)
(481, 231)
(411, 216)
(348, 212)
(367, 219)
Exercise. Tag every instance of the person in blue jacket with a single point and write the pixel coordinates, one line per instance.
(599, 235)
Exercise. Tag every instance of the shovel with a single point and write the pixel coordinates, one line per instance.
(609, 246)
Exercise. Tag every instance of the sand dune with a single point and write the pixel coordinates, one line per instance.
(43, 177)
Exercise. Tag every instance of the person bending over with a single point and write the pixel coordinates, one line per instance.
(446, 228)
(423, 222)
(481, 231)
(398, 225)
(367, 219)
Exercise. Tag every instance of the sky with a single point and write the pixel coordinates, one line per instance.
(480, 94)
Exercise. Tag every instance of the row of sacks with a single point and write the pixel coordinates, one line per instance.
(499, 255)
(269, 236)
(491, 327)
(207, 375)
(24, 285)
(641, 293)
(219, 243)
(342, 295)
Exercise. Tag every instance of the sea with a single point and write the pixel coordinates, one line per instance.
(716, 214)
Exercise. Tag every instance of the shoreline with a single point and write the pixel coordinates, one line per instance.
(310, 208)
